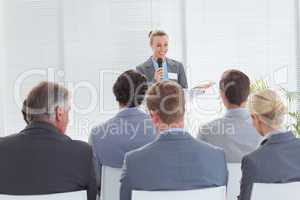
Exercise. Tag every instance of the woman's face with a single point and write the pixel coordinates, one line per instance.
(159, 46)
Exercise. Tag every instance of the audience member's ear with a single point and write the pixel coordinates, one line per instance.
(256, 122)
(259, 120)
(59, 114)
(154, 116)
(254, 118)
(24, 112)
(223, 97)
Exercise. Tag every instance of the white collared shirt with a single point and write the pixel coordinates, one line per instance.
(173, 130)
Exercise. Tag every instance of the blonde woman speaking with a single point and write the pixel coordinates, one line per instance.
(158, 67)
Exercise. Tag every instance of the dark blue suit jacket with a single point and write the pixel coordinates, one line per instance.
(277, 160)
(175, 161)
(130, 129)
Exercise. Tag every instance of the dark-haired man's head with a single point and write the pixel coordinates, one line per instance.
(234, 88)
(48, 102)
(166, 103)
(130, 89)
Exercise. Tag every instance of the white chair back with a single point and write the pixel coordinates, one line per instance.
(78, 195)
(275, 191)
(217, 193)
(234, 178)
(110, 183)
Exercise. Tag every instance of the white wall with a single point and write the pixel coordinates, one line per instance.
(101, 39)
(255, 36)
(256, 39)
(104, 38)
(88, 43)
(2, 68)
(297, 19)
(32, 36)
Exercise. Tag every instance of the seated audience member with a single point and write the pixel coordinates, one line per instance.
(277, 159)
(174, 161)
(41, 159)
(233, 132)
(129, 129)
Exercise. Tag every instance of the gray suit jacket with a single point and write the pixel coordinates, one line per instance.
(277, 160)
(130, 129)
(174, 66)
(234, 133)
(174, 161)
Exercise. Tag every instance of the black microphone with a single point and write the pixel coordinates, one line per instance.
(159, 62)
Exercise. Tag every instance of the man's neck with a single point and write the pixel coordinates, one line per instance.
(121, 106)
(50, 122)
(233, 106)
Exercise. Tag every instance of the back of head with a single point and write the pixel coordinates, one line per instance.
(167, 99)
(268, 105)
(130, 88)
(236, 86)
(43, 100)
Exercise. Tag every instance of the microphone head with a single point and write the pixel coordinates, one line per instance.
(159, 62)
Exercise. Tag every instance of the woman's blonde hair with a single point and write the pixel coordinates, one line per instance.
(268, 105)
(154, 33)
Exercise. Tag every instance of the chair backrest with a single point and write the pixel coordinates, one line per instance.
(234, 178)
(216, 193)
(275, 191)
(78, 195)
(110, 183)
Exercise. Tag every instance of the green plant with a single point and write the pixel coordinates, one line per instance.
(258, 85)
(295, 125)
(293, 115)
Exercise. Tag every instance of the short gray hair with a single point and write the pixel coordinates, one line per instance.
(43, 100)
